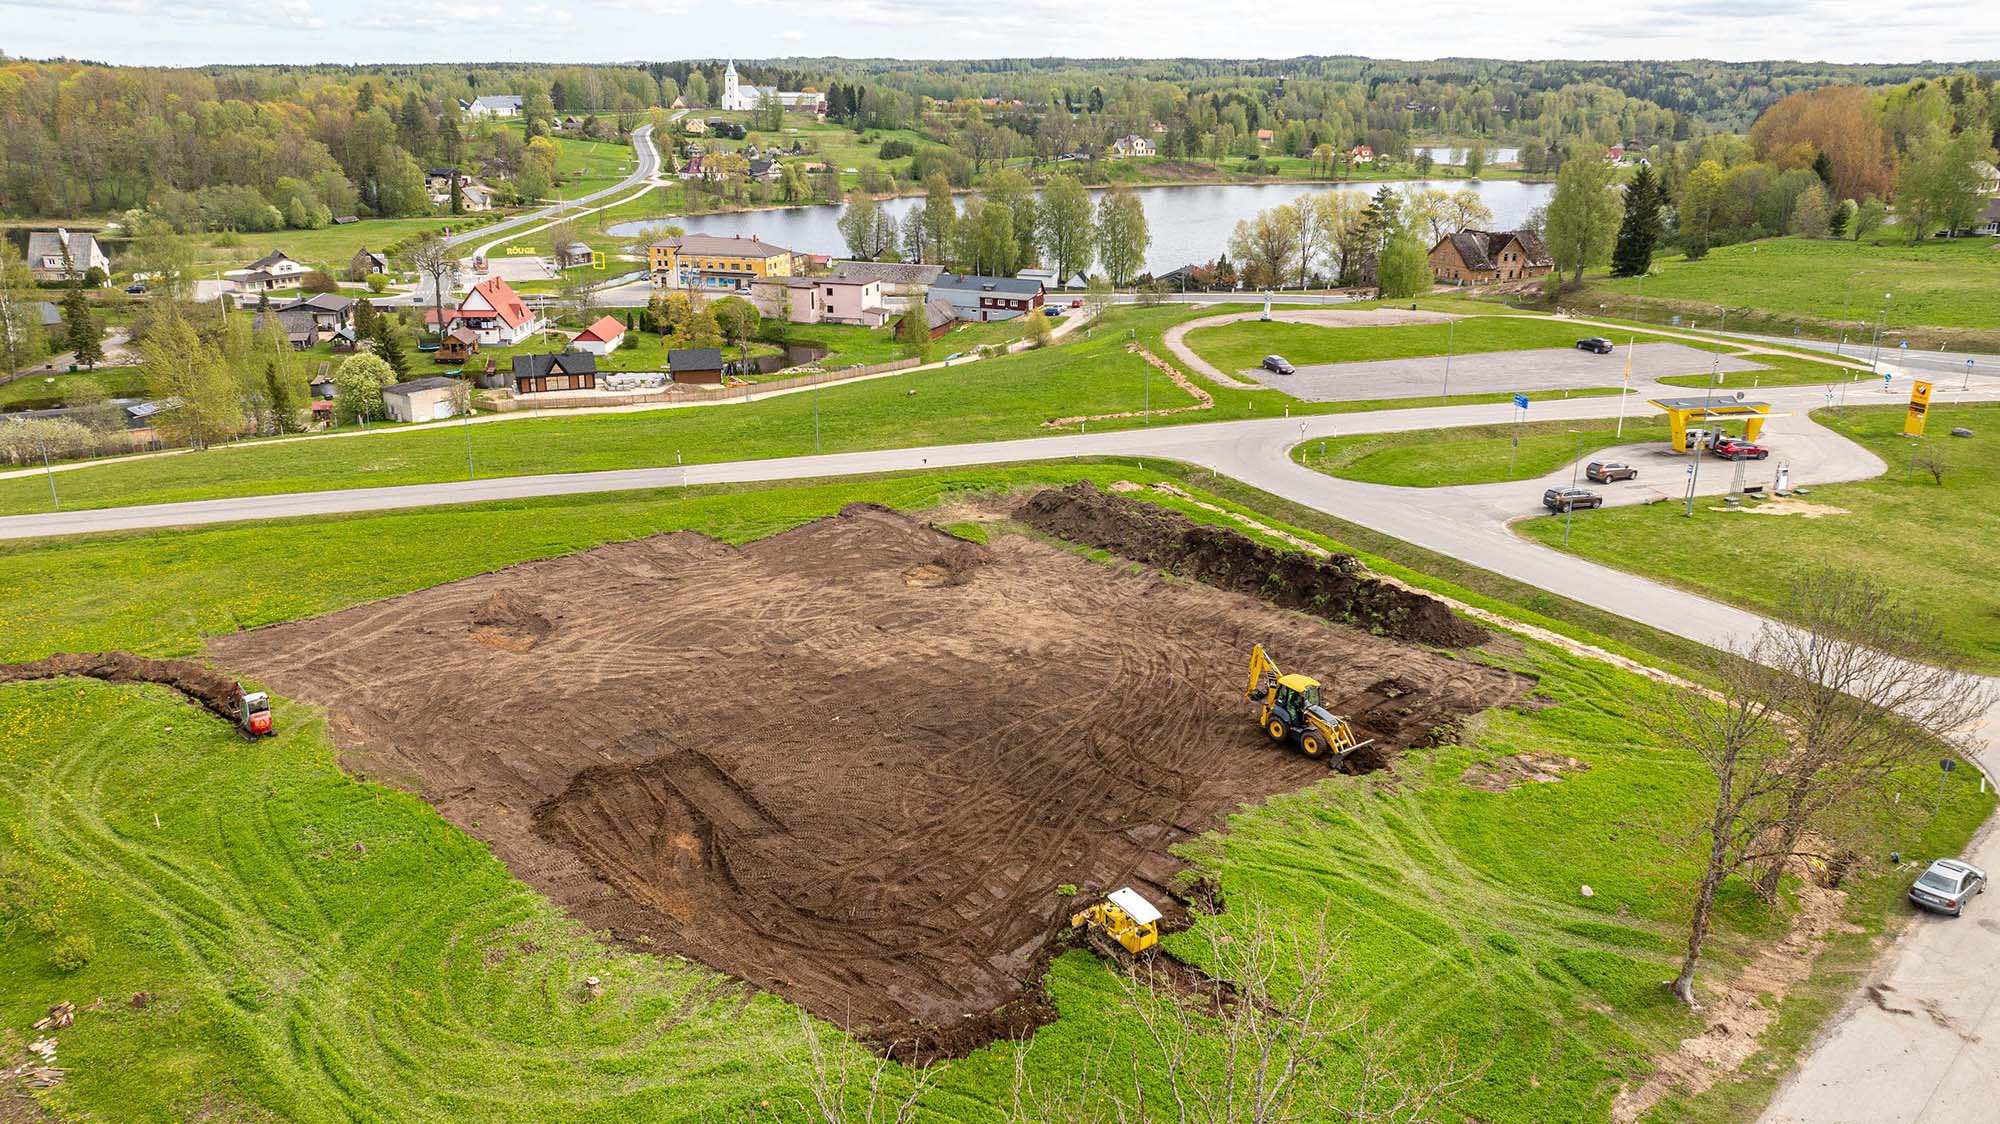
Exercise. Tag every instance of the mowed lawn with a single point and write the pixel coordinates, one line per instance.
(1244, 344)
(1947, 283)
(330, 248)
(36, 392)
(325, 949)
(1780, 370)
(1473, 454)
(1938, 547)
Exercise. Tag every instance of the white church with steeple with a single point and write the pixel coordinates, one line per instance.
(735, 95)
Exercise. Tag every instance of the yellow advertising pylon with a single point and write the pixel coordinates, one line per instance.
(1920, 405)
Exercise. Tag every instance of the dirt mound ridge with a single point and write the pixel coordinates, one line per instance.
(207, 687)
(1336, 588)
(512, 621)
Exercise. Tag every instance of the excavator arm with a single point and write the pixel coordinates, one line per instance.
(1261, 662)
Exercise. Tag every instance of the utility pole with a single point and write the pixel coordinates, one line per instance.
(1569, 509)
(53, 501)
(1450, 346)
(469, 473)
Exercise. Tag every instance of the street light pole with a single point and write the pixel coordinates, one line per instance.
(55, 502)
(470, 473)
(1881, 322)
(1846, 297)
(1569, 509)
(1450, 347)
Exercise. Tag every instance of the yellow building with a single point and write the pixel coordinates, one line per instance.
(711, 262)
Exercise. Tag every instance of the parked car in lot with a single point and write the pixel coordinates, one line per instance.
(1568, 499)
(1052, 311)
(1598, 344)
(1946, 885)
(1604, 472)
(1737, 449)
(136, 288)
(1277, 365)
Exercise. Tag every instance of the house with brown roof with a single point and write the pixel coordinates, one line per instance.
(601, 338)
(1476, 257)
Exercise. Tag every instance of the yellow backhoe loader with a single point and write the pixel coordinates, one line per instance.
(1291, 712)
(1124, 926)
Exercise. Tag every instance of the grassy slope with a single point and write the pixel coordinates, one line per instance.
(331, 247)
(1941, 283)
(1243, 345)
(34, 392)
(1476, 454)
(306, 977)
(1936, 546)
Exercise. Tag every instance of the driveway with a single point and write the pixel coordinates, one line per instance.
(1494, 372)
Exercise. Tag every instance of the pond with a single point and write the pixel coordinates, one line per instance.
(1188, 224)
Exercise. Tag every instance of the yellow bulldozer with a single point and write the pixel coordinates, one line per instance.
(1124, 926)
(1291, 712)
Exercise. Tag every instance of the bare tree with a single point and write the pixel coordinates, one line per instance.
(432, 258)
(1739, 735)
(1867, 693)
(1931, 458)
(848, 1089)
(1253, 1044)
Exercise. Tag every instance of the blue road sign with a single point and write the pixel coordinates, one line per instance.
(1521, 401)
(1905, 345)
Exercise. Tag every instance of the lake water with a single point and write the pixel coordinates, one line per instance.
(1456, 156)
(1188, 224)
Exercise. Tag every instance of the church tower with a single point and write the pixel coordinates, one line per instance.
(731, 97)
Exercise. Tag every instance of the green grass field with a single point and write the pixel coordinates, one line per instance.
(326, 949)
(1935, 546)
(1243, 345)
(1781, 370)
(36, 392)
(1474, 454)
(330, 248)
(1948, 283)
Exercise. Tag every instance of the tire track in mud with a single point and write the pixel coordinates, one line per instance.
(849, 763)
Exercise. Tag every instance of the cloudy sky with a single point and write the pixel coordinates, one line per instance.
(192, 32)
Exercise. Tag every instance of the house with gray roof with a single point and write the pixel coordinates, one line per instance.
(494, 105)
(46, 259)
(904, 284)
(980, 299)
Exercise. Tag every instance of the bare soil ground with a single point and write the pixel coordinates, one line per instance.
(850, 763)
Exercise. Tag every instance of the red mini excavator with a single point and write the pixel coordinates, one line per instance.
(253, 713)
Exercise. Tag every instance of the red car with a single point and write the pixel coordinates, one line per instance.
(1737, 449)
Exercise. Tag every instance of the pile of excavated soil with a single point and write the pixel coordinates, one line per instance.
(1337, 588)
(207, 687)
(512, 620)
(850, 763)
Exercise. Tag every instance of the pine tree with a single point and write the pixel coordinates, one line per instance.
(80, 333)
(388, 347)
(1640, 232)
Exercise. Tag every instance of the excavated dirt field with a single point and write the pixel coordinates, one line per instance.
(850, 763)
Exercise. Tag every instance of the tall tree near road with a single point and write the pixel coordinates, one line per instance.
(1868, 695)
(1640, 232)
(432, 258)
(1122, 237)
(179, 364)
(1405, 269)
(939, 214)
(1266, 244)
(1068, 235)
(860, 224)
(1583, 216)
(1011, 189)
(80, 331)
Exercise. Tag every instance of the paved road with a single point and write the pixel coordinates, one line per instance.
(1935, 1063)
(649, 165)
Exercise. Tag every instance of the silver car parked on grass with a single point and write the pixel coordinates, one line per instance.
(1946, 886)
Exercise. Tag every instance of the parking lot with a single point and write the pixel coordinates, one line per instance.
(1493, 372)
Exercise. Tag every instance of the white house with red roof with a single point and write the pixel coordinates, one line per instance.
(1361, 154)
(494, 312)
(601, 338)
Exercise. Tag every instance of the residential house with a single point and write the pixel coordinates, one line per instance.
(1988, 221)
(49, 315)
(822, 300)
(574, 254)
(1157, 129)
(601, 338)
(700, 365)
(365, 262)
(494, 311)
(1266, 136)
(272, 271)
(978, 298)
(1131, 144)
(458, 345)
(711, 262)
(311, 320)
(765, 170)
(550, 371)
(1473, 257)
(694, 126)
(493, 105)
(46, 258)
(1189, 277)
(1614, 154)
(425, 399)
(1989, 176)
(1361, 154)
(474, 196)
(904, 284)
(1049, 280)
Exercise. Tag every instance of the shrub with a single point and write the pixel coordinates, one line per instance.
(319, 281)
(378, 282)
(72, 953)
(896, 148)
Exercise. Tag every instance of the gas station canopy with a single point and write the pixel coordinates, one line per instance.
(1685, 412)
